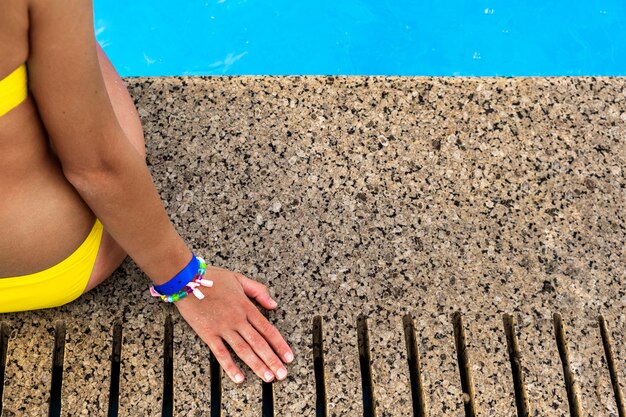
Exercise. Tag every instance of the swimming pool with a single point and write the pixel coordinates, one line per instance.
(364, 37)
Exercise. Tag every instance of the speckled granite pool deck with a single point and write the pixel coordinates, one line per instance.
(375, 196)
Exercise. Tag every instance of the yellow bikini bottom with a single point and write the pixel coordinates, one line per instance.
(55, 286)
(13, 89)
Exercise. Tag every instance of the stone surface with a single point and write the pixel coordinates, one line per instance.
(379, 196)
(29, 367)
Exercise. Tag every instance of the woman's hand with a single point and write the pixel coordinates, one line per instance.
(227, 314)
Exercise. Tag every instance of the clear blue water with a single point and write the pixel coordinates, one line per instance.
(365, 37)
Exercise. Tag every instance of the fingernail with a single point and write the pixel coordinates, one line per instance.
(273, 303)
(288, 356)
(268, 376)
(238, 378)
(282, 373)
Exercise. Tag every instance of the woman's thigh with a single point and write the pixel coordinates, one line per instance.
(110, 254)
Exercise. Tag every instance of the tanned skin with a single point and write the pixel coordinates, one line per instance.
(73, 151)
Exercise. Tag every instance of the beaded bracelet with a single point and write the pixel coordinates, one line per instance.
(192, 286)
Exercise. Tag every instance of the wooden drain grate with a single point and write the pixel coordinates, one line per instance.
(414, 363)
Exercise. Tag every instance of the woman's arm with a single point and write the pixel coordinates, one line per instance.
(97, 158)
(100, 162)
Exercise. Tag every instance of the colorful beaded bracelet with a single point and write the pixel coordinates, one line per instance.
(190, 287)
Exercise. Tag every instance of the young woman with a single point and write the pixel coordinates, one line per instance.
(76, 196)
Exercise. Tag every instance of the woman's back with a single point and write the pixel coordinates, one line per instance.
(42, 217)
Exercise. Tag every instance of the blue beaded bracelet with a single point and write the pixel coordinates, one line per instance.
(186, 281)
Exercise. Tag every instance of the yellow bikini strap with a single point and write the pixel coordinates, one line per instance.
(13, 89)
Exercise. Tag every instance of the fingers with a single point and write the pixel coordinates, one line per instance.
(225, 360)
(264, 351)
(256, 290)
(245, 352)
(254, 339)
(271, 334)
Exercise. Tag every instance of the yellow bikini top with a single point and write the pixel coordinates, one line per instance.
(13, 90)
